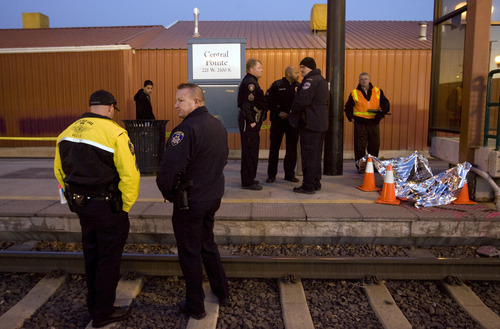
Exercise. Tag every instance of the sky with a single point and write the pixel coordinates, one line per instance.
(85, 13)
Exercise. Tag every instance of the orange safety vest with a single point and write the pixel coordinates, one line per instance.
(361, 105)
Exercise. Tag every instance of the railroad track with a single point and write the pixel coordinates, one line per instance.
(393, 268)
(371, 274)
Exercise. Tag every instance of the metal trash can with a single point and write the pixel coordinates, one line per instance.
(148, 137)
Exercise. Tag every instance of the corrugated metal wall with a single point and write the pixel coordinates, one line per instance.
(274, 62)
(167, 69)
(404, 76)
(41, 93)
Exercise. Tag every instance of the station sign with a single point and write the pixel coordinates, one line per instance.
(218, 66)
(216, 61)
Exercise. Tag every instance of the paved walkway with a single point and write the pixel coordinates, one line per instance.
(29, 202)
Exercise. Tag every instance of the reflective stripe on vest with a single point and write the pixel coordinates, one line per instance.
(361, 105)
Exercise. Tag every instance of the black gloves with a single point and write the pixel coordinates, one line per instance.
(379, 116)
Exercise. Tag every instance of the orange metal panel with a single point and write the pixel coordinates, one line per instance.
(49, 90)
(404, 76)
(274, 62)
(167, 69)
(394, 128)
(43, 92)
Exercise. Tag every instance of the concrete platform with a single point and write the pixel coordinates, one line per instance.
(339, 213)
(486, 158)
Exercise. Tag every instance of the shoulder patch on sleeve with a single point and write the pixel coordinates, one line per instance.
(251, 87)
(306, 85)
(131, 147)
(177, 137)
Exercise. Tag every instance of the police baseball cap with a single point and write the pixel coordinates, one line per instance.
(102, 97)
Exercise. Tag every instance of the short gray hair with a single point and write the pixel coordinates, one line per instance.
(364, 73)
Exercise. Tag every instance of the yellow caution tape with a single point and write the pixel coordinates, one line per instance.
(28, 138)
(167, 134)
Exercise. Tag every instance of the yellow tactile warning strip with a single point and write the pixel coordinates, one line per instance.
(292, 201)
(22, 197)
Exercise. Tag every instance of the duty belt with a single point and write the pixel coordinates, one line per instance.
(78, 196)
(81, 195)
(91, 197)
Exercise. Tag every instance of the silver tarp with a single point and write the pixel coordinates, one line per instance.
(414, 181)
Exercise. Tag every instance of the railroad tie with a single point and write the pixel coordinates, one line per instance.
(471, 304)
(126, 291)
(211, 308)
(24, 309)
(385, 307)
(296, 313)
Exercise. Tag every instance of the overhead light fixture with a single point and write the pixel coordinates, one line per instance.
(497, 60)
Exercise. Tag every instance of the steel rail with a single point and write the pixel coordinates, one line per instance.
(389, 268)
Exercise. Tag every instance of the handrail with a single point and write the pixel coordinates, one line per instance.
(487, 114)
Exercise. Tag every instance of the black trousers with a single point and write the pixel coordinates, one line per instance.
(250, 140)
(280, 127)
(194, 234)
(311, 150)
(104, 234)
(366, 140)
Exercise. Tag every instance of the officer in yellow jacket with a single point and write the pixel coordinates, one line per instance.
(96, 165)
(366, 106)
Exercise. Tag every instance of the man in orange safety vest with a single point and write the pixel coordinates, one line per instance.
(366, 106)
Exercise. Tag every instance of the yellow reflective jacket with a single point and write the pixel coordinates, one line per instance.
(95, 152)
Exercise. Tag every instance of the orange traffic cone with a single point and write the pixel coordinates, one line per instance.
(388, 195)
(463, 197)
(369, 178)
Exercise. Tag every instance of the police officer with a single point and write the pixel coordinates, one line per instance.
(310, 114)
(279, 98)
(366, 106)
(95, 162)
(191, 176)
(252, 104)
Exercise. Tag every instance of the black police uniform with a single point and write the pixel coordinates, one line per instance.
(250, 98)
(310, 114)
(193, 161)
(279, 98)
(95, 162)
(366, 131)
